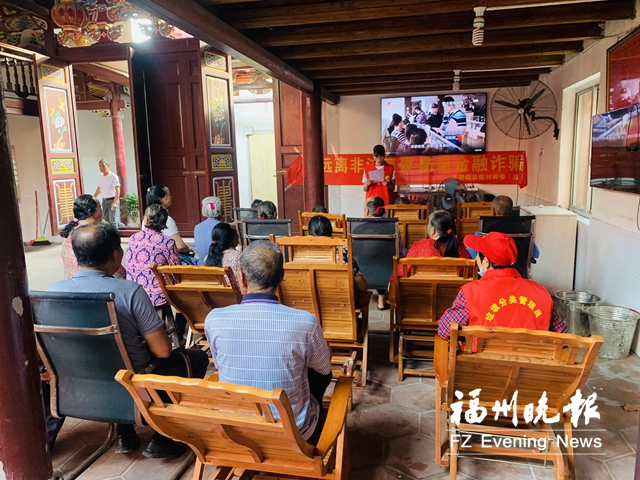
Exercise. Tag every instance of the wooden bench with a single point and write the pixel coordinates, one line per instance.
(235, 427)
(422, 294)
(318, 280)
(338, 222)
(195, 291)
(412, 231)
(504, 361)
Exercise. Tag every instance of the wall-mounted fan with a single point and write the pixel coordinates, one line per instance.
(525, 112)
(451, 192)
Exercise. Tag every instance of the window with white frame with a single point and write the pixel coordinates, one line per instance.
(586, 108)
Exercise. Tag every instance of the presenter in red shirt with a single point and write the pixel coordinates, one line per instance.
(379, 178)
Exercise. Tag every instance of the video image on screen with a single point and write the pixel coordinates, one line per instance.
(434, 124)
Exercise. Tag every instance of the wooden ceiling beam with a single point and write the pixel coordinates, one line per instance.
(416, 77)
(460, 55)
(194, 19)
(427, 43)
(547, 61)
(430, 84)
(444, 88)
(333, 12)
(103, 73)
(440, 24)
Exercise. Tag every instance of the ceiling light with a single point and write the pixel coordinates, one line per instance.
(477, 37)
(456, 81)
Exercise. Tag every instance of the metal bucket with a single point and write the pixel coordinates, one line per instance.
(571, 305)
(617, 325)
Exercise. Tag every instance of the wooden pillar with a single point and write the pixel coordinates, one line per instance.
(121, 158)
(23, 435)
(312, 149)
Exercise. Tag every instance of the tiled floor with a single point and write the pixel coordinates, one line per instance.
(390, 430)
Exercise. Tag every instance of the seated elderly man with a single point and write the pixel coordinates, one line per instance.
(99, 253)
(502, 206)
(501, 298)
(263, 344)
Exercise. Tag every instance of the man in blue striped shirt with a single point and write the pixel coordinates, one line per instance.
(263, 344)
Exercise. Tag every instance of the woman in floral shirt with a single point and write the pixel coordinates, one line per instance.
(148, 247)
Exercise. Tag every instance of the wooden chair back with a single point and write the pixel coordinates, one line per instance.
(318, 280)
(237, 426)
(531, 362)
(428, 287)
(195, 291)
(412, 231)
(407, 212)
(338, 222)
(473, 209)
(466, 226)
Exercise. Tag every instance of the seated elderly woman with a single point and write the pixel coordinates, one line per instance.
(160, 195)
(212, 210)
(442, 239)
(222, 248)
(151, 246)
(86, 209)
(320, 226)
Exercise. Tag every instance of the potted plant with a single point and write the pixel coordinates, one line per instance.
(130, 208)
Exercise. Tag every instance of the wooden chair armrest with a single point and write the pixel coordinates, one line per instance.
(214, 377)
(336, 415)
(441, 360)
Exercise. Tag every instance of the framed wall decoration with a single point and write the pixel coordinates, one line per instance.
(221, 161)
(224, 189)
(623, 72)
(218, 105)
(62, 165)
(55, 74)
(64, 194)
(212, 60)
(58, 123)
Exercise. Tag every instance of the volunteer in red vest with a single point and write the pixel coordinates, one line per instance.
(379, 178)
(501, 298)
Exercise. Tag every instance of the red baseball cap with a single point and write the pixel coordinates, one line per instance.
(499, 248)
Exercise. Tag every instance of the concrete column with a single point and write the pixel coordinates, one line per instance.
(312, 149)
(23, 438)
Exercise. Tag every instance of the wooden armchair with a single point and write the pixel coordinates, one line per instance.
(423, 293)
(338, 222)
(195, 291)
(412, 231)
(504, 361)
(236, 427)
(407, 212)
(318, 280)
(473, 209)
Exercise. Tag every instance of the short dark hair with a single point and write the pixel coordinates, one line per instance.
(255, 203)
(320, 226)
(262, 265)
(448, 99)
(378, 151)
(493, 265)
(417, 107)
(401, 200)
(157, 217)
(156, 193)
(418, 137)
(94, 244)
(319, 209)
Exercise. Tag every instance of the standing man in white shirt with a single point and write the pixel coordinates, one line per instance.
(109, 188)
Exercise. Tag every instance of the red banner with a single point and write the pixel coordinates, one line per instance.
(504, 168)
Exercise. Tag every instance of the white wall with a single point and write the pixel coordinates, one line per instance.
(95, 139)
(249, 118)
(24, 135)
